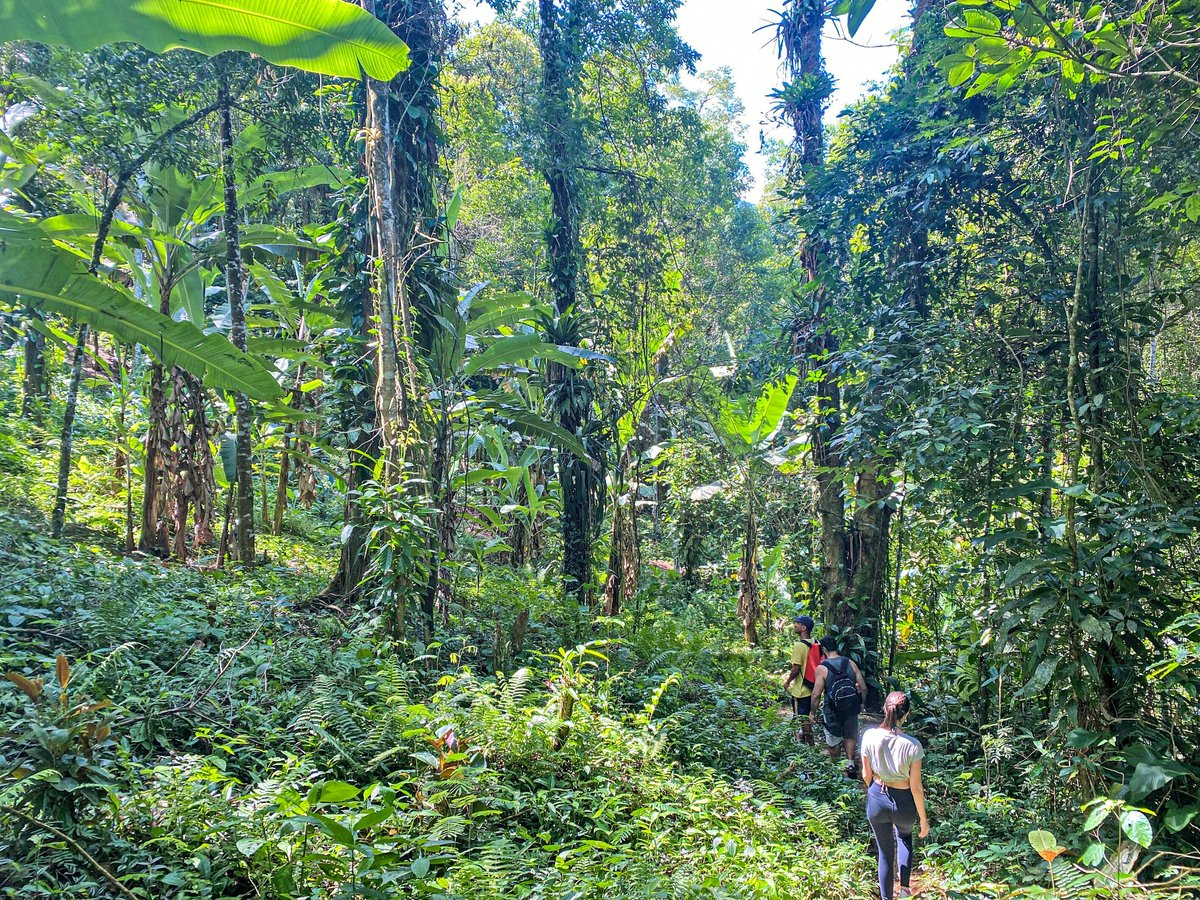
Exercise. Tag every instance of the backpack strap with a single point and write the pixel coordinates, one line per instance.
(839, 670)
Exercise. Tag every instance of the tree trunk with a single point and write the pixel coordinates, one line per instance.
(872, 524)
(124, 465)
(237, 332)
(388, 393)
(564, 255)
(851, 574)
(624, 560)
(59, 515)
(155, 474)
(749, 604)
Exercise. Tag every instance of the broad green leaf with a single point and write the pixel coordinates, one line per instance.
(1178, 818)
(961, 73)
(229, 458)
(454, 207)
(768, 412)
(487, 319)
(1191, 207)
(1081, 739)
(858, 12)
(47, 277)
(1096, 817)
(1021, 569)
(1095, 629)
(981, 21)
(1136, 827)
(249, 846)
(1042, 841)
(1147, 778)
(1093, 855)
(302, 178)
(1041, 678)
(516, 349)
(532, 425)
(337, 792)
(330, 37)
(373, 818)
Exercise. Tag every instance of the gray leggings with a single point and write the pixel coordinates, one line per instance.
(892, 814)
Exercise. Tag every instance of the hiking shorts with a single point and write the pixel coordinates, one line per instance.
(801, 706)
(840, 728)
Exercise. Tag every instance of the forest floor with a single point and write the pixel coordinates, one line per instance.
(248, 729)
(186, 732)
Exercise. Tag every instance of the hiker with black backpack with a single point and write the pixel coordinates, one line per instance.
(842, 685)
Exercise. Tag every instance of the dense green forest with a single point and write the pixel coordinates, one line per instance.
(414, 449)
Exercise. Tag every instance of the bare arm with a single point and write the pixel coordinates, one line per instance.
(792, 676)
(918, 791)
(868, 773)
(818, 689)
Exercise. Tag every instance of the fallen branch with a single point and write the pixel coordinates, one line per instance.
(74, 845)
(192, 704)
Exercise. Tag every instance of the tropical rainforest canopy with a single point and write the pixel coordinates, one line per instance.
(415, 449)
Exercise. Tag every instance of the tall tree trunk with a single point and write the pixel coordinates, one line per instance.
(442, 536)
(800, 41)
(384, 228)
(59, 515)
(281, 486)
(124, 464)
(749, 602)
(362, 451)
(624, 559)
(557, 42)
(872, 523)
(237, 331)
(202, 482)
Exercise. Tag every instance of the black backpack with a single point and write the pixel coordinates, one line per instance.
(841, 690)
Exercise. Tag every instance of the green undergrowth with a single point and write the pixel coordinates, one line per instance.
(199, 734)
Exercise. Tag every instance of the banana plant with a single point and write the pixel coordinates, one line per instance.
(39, 272)
(325, 36)
(329, 37)
(746, 429)
(166, 242)
(516, 495)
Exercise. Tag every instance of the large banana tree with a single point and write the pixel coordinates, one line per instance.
(166, 241)
(326, 36)
(746, 429)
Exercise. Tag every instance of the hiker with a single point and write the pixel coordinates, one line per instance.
(891, 762)
(840, 682)
(806, 656)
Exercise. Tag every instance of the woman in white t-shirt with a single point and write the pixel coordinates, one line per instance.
(891, 767)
